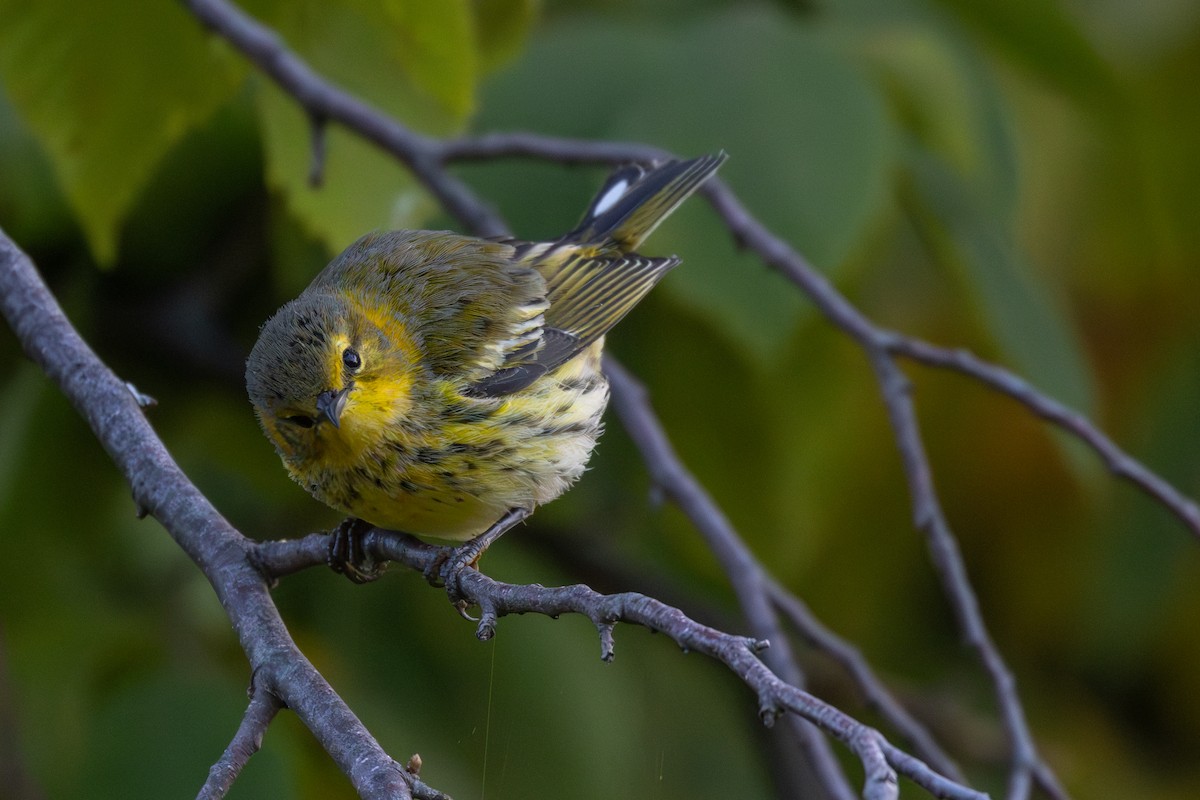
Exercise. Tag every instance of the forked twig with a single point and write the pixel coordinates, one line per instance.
(245, 743)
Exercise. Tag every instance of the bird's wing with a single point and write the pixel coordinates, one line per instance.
(592, 278)
(586, 297)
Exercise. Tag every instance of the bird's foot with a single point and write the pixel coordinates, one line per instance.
(451, 561)
(348, 556)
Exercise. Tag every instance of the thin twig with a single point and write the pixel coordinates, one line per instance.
(245, 743)
(743, 656)
(560, 150)
(1115, 459)
(745, 573)
(947, 559)
(880, 781)
(875, 693)
(323, 100)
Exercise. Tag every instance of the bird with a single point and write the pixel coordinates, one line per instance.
(445, 385)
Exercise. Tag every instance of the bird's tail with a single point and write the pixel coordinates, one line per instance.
(634, 200)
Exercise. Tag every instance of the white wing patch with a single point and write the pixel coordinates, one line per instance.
(610, 197)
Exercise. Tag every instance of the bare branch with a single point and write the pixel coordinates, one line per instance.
(557, 149)
(747, 576)
(880, 782)
(877, 696)
(427, 157)
(246, 742)
(742, 655)
(1117, 460)
(316, 95)
(947, 559)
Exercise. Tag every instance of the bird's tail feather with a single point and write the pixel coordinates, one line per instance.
(634, 200)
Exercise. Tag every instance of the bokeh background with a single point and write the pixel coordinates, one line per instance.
(1019, 178)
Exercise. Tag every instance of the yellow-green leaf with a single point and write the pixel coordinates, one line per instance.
(435, 42)
(363, 188)
(107, 88)
(502, 27)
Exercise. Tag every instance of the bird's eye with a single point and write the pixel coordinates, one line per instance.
(351, 359)
(301, 420)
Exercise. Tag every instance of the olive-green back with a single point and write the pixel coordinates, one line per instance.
(464, 301)
(500, 314)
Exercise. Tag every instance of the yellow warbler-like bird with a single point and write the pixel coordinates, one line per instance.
(445, 385)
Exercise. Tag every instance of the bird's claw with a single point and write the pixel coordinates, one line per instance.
(348, 556)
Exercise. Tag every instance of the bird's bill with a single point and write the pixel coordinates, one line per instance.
(330, 405)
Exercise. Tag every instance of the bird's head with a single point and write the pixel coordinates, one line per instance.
(329, 376)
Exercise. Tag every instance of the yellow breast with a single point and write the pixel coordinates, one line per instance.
(451, 465)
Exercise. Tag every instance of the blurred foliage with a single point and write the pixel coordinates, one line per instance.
(1018, 178)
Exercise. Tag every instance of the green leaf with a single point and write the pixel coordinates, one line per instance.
(585, 70)
(944, 96)
(363, 188)
(807, 133)
(108, 88)
(1020, 311)
(501, 28)
(1042, 36)
(810, 150)
(434, 40)
(33, 210)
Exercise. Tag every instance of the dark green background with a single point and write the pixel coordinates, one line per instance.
(1015, 177)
